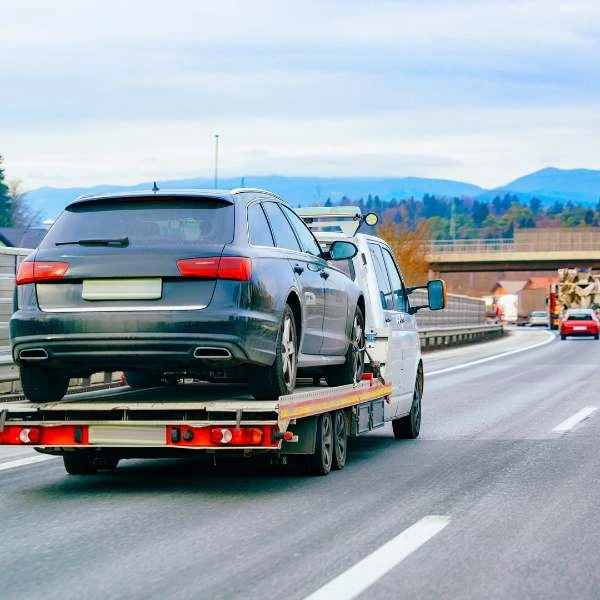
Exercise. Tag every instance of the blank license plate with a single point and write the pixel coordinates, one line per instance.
(579, 328)
(122, 289)
(126, 435)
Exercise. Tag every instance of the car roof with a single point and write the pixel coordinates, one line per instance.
(229, 196)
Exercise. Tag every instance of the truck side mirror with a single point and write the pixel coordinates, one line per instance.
(436, 292)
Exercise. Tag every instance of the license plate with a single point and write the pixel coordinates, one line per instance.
(126, 435)
(122, 289)
(580, 328)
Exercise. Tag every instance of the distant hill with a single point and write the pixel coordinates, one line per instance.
(295, 190)
(580, 186)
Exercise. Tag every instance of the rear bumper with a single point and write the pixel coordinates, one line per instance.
(587, 333)
(84, 342)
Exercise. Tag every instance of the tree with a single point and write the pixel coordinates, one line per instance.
(5, 220)
(410, 248)
(22, 214)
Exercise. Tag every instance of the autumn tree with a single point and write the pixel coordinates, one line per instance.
(410, 248)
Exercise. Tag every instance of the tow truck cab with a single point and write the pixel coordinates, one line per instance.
(392, 336)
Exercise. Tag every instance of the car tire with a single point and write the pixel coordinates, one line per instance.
(321, 461)
(268, 383)
(142, 379)
(596, 336)
(41, 384)
(352, 369)
(340, 440)
(79, 463)
(409, 427)
(563, 337)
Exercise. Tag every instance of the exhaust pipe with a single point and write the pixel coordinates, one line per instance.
(213, 353)
(33, 354)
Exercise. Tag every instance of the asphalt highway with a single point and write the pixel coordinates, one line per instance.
(498, 498)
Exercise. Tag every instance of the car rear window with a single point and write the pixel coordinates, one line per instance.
(152, 222)
(579, 317)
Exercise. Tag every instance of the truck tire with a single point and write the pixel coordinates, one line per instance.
(268, 383)
(41, 384)
(409, 427)
(321, 461)
(79, 463)
(351, 371)
(340, 440)
(142, 379)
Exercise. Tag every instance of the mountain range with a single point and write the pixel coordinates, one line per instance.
(580, 186)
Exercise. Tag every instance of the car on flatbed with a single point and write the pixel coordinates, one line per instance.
(211, 284)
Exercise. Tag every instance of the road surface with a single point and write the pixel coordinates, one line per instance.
(498, 498)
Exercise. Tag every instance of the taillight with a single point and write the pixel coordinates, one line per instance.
(237, 268)
(245, 436)
(34, 272)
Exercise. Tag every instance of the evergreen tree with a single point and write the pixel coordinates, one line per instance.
(5, 208)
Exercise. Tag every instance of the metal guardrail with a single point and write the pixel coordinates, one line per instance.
(450, 336)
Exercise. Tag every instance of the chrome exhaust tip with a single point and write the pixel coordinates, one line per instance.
(33, 354)
(212, 353)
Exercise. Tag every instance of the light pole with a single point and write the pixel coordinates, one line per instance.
(216, 160)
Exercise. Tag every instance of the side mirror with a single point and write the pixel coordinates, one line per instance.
(341, 250)
(436, 292)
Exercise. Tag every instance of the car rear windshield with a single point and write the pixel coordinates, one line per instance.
(146, 222)
(579, 317)
(538, 313)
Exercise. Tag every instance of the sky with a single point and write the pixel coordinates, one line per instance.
(123, 92)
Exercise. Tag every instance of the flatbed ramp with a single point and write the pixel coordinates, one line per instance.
(169, 421)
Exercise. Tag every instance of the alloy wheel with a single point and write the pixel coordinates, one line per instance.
(358, 345)
(340, 439)
(327, 441)
(288, 353)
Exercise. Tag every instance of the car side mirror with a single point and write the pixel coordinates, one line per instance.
(436, 292)
(341, 250)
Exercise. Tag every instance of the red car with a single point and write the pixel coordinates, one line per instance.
(579, 321)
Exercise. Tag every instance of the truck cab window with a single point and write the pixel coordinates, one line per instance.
(383, 282)
(399, 293)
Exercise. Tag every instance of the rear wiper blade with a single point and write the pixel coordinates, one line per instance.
(97, 242)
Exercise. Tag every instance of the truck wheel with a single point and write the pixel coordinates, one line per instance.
(268, 383)
(340, 440)
(408, 427)
(79, 463)
(142, 379)
(41, 384)
(351, 371)
(321, 461)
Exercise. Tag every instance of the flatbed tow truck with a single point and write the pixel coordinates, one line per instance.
(95, 430)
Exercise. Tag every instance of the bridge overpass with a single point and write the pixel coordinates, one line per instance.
(544, 250)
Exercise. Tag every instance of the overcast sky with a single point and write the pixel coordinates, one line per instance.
(122, 92)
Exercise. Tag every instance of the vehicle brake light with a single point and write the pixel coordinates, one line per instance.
(236, 268)
(29, 435)
(34, 272)
(245, 436)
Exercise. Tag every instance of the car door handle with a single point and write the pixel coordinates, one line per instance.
(298, 269)
(324, 274)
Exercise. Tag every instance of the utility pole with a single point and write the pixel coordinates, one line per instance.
(452, 220)
(216, 161)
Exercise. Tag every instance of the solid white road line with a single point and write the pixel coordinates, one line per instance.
(551, 338)
(21, 462)
(365, 573)
(579, 416)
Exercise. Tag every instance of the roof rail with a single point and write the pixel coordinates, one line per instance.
(254, 190)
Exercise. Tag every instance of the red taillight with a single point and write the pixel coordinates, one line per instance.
(21, 435)
(34, 272)
(228, 267)
(245, 436)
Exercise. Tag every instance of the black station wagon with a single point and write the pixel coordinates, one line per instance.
(216, 285)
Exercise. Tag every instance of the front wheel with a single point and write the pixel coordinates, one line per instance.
(409, 427)
(351, 371)
(280, 378)
(41, 384)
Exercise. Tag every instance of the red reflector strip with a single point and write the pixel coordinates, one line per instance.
(33, 272)
(237, 268)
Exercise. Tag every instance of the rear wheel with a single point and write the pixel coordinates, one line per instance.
(41, 384)
(409, 427)
(142, 379)
(321, 461)
(351, 371)
(563, 337)
(78, 463)
(280, 378)
(340, 440)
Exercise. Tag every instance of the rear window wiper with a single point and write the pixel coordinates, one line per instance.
(97, 242)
